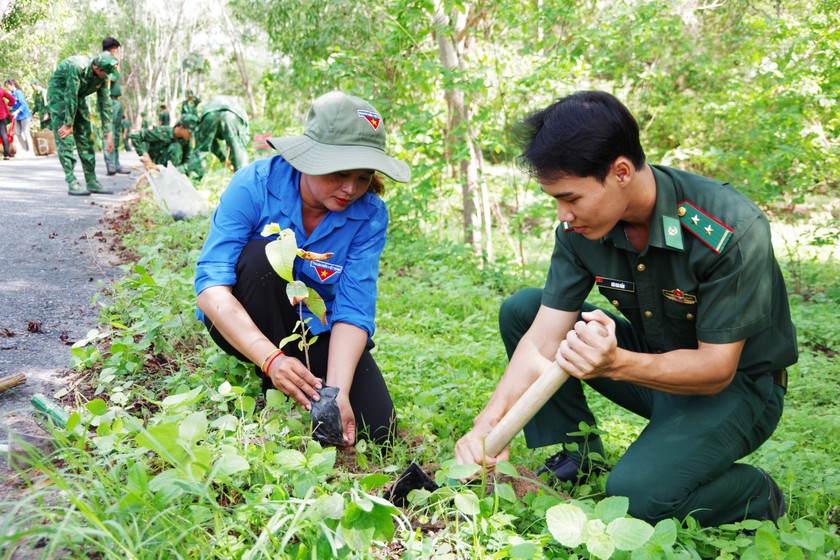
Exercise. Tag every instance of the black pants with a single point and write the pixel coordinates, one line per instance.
(263, 295)
(4, 137)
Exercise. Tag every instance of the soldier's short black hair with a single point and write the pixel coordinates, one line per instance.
(580, 135)
(109, 43)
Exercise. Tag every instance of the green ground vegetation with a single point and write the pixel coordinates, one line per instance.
(172, 452)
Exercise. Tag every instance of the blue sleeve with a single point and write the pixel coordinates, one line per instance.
(234, 223)
(355, 301)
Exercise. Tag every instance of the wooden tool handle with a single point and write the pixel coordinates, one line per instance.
(524, 409)
(10, 381)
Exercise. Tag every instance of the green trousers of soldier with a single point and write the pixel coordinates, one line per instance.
(112, 159)
(215, 130)
(683, 462)
(82, 141)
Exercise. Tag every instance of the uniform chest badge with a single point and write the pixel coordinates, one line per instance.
(613, 284)
(679, 296)
(325, 270)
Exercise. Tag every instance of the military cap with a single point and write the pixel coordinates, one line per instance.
(108, 63)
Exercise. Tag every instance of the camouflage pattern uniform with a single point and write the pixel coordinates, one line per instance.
(112, 160)
(190, 105)
(69, 85)
(222, 120)
(162, 146)
(39, 105)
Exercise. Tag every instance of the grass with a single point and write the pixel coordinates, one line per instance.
(173, 452)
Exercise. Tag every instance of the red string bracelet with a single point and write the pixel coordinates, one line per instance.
(270, 361)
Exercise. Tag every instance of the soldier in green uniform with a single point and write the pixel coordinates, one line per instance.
(190, 105)
(126, 128)
(39, 105)
(222, 120)
(144, 121)
(163, 144)
(163, 116)
(76, 78)
(698, 340)
(112, 158)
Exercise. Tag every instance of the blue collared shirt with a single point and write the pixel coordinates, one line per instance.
(268, 191)
(20, 103)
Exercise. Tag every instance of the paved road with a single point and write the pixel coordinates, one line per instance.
(53, 260)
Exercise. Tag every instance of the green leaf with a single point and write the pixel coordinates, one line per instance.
(291, 459)
(330, 506)
(664, 534)
(194, 427)
(628, 533)
(137, 480)
(600, 546)
(296, 292)
(524, 550)
(505, 491)
(467, 503)
(565, 523)
(372, 481)
(505, 467)
(183, 399)
(97, 407)
(274, 398)
(462, 471)
(612, 508)
(230, 463)
(316, 305)
(281, 256)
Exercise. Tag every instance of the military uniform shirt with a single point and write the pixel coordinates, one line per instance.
(161, 145)
(71, 82)
(708, 274)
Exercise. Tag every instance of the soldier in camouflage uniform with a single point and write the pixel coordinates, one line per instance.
(112, 158)
(39, 105)
(76, 78)
(222, 120)
(190, 105)
(163, 144)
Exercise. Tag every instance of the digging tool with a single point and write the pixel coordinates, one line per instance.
(531, 401)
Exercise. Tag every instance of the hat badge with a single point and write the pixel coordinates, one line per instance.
(372, 118)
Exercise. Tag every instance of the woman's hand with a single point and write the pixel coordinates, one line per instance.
(291, 377)
(348, 418)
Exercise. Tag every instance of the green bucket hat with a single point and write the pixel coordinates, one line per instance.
(342, 132)
(108, 63)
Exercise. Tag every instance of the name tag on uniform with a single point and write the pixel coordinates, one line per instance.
(613, 284)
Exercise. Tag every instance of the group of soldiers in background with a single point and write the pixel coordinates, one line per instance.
(219, 128)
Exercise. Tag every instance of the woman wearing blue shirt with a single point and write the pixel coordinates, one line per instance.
(23, 117)
(323, 186)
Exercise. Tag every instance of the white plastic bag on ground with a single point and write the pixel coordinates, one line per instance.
(175, 194)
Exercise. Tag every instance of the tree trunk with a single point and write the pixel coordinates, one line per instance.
(240, 61)
(458, 133)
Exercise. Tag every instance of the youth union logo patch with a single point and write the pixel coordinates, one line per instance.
(325, 270)
(373, 118)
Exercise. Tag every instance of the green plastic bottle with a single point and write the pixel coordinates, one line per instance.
(51, 409)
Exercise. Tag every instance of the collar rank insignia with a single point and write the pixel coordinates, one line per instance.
(679, 296)
(713, 233)
(325, 269)
(373, 118)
